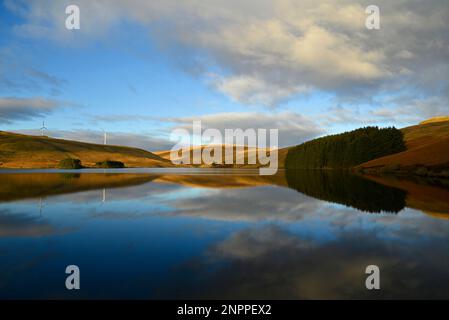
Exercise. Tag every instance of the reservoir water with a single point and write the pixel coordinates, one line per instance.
(161, 233)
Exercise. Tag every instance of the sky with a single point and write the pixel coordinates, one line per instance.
(139, 69)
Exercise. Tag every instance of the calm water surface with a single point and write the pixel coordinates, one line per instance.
(161, 234)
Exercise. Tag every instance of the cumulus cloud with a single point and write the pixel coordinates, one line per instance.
(254, 91)
(293, 127)
(396, 110)
(267, 52)
(13, 109)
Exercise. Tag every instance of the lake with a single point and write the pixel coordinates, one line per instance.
(170, 234)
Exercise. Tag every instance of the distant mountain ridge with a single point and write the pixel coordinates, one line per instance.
(426, 152)
(240, 156)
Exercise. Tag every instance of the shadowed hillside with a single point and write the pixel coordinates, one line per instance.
(26, 151)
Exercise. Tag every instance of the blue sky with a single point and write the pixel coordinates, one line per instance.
(139, 69)
(126, 75)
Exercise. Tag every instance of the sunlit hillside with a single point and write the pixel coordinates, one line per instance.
(240, 157)
(427, 146)
(26, 151)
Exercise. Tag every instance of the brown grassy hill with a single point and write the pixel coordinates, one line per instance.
(237, 154)
(435, 119)
(427, 148)
(26, 151)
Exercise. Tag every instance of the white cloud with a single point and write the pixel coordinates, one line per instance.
(254, 91)
(13, 109)
(293, 127)
(268, 52)
(399, 110)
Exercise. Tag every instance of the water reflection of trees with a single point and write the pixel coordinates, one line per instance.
(342, 187)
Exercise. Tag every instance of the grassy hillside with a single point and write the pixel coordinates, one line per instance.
(237, 154)
(423, 150)
(427, 151)
(26, 151)
(435, 119)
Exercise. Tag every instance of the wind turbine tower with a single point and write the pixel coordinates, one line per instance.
(105, 137)
(43, 128)
(41, 205)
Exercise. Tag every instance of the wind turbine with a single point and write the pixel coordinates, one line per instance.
(41, 205)
(105, 137)
(43, 128)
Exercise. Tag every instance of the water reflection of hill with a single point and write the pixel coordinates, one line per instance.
(428, 195)
(347, 189)
(225, 180)
(17, 186)
(23, 186)
(367, 193)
